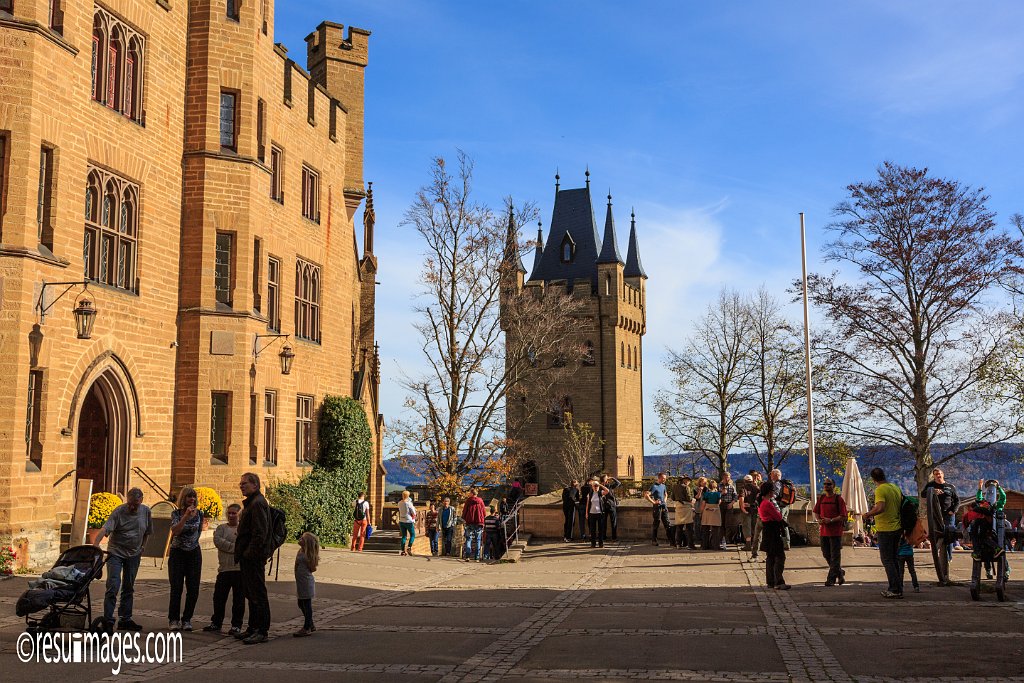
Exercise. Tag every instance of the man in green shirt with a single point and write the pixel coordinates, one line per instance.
(886, 512)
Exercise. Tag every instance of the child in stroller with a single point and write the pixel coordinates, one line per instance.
(985, 548)
(63, 592)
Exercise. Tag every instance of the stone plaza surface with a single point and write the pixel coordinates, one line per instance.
(626, 612)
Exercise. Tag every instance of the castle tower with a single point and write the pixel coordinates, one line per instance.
(604, 389)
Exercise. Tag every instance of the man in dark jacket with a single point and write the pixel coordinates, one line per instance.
(570, 501)
(251, 553)
(942, 500)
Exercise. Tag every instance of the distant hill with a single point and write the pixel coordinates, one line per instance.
(1004, 462)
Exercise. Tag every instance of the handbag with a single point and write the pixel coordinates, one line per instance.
(369, 530)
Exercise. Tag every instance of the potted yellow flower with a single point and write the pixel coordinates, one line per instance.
(101, 505)
(209, 503)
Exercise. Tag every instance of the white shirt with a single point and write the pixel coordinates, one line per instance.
(406, 512)
(595, 503)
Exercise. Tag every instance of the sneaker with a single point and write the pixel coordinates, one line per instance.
(889, 595)
(402, 553)
(782, 587)
(654, 543)
(247, 633)
(214, 628)
(128, 625)
(842, 579)
(988, 575)
(186, 626)
(600, 545)
(174, 625)
(235, 631)
(302, 633)
(917, 589)
(785, 547)
(256, 639)
(829, 584)
(753, 558)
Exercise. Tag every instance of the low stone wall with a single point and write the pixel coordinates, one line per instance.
(543, 518)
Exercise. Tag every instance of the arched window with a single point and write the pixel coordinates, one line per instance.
(307, 300)
(607, 285)
(99, 51)
(622, 354)
(118, 55)
(568, 249)
(115, 57)
(636, 359)
(631, 467)
(111, 230)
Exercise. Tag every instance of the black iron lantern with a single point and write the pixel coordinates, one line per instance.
(85, 317)
(286, 356)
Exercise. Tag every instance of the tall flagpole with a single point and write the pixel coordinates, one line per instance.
(807, 356)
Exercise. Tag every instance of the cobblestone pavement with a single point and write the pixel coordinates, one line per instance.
(567, 612)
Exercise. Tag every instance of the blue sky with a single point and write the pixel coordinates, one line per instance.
(718, 121)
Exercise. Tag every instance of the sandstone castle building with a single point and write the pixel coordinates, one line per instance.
(206, 188)
(605, 387)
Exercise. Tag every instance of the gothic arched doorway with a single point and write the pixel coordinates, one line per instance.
(103, 451)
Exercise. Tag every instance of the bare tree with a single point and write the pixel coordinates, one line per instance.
(579, 455)
(708, 407)
(458, 436)
(778, 416)
(911, 339)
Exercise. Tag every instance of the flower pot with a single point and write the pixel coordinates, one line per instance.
(91, 534)
(206, 523)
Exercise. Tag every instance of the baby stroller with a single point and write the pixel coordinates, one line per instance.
(986, 549)
(63, 592)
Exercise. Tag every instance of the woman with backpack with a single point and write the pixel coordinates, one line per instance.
(361, 519)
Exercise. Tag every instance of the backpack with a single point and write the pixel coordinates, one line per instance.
(908, 513)
(278, 531)
(787, 494)
(360, 513)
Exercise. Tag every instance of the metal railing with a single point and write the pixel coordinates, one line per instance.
(512, 521)
(152, 483)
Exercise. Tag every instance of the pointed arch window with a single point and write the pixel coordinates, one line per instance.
(118, 56)
(622, 354)
(111, 230)
(307, 301)
(567, 251)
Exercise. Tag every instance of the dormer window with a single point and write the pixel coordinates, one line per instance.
(568, 250)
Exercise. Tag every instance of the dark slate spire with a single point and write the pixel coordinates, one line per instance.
(573, 224)
(633, 266)
(538, 253)
(512, 243)
(610, 246)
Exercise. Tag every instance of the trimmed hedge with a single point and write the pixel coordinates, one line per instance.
(322, 500)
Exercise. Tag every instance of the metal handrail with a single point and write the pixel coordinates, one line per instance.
(512, 516)
(152, 483)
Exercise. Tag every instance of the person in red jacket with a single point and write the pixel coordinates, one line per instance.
(772, 540)
(473, 515)
(831, 513)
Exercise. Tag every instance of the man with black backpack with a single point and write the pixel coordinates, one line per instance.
(253, 547)
(889, 529)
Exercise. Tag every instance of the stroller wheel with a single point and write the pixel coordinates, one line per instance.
(975, 593)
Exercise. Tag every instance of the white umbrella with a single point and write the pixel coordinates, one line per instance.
(853, 493)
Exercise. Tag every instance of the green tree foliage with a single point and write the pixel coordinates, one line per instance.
(322, 500)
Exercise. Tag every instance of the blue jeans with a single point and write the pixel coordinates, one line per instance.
(449, 538)
(888, 544)
(121, 573)
(473, 534)
(432, 535)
